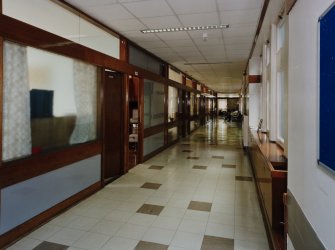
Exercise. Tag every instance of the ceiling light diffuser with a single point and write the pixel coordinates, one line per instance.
(190, 28)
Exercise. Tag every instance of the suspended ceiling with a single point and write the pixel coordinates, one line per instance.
(218, 62)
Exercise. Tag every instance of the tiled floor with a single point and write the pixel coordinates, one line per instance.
(169, 203)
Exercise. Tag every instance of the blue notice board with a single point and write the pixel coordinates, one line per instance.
(327, 89)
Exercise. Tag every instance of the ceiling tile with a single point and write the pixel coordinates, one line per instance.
(161, 22)
(81, 3)
(127, 25)
(199, 19)
(196, 59)
(192, 6)
(181, 35)
(109, 12)
(152, 8)
(242, 46)
(153, 44)
(139, 36)
(240, 4)
(241, 31)
(161, 50)
(211, 41)
(182, 49)
(240, 16)
(232, 40)
(128, 1)
(210, 34)
(179, 43)
(233, 45)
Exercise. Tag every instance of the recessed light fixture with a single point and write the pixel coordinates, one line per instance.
(190, 28)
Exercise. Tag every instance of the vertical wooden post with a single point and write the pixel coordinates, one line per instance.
(124, 52)
(141, 120)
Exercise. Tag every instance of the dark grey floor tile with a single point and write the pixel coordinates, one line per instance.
(45, 245)
(199, 167)
(200, 206)
(243, 178)
(150, 185)
(145, 245)
(157, 167)
(150, 209)
(217, 243)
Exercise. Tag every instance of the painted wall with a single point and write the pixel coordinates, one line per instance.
(312, 186)
(51, 17)
(22, 201)
(255, 93)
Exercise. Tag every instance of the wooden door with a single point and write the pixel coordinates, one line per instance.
(113, 126)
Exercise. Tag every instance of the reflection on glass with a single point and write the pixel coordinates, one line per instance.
(153, 103)
(172, 134)
(143, 60)
(61, 99)
(153, 143)
(192, 104)
(173, 104)
(197, 111)
(194, 125)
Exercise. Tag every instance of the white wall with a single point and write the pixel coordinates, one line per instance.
(312, 186)
(51, 17)
(255, 93)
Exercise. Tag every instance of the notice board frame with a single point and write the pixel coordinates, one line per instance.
(326, 112)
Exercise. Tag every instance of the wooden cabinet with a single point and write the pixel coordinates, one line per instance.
(270, 170)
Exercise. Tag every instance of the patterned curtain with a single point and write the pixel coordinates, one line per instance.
(16, 141)
(85, 89)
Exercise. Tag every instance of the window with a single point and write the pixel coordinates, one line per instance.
(49, 101)
(281, 59)
(173, 104)
(281, 127)
(153, 103)
(139, 58)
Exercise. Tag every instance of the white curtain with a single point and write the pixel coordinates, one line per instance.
(85, 89)
(16, 140)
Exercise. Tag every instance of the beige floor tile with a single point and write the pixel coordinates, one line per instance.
(131, 231)
(187, 240)
(91, 241)
(159, 235)
(118, 243)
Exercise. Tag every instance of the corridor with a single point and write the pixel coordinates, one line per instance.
(197, 194)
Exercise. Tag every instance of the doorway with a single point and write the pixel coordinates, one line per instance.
(113, 126)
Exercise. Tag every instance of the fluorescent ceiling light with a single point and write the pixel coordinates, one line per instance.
(191, 28)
